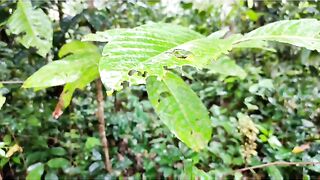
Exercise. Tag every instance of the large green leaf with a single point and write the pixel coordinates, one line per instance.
(67, 70)
(133, 54)
(302, 33)
(78, 68)
(32, 26)
(180, 109)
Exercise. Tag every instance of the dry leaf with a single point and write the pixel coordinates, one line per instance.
(58, 111)
(299, 149)
(13, 149)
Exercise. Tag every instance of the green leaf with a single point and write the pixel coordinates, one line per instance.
(58, 151)
(35, 171)
(2, 153)
(274, 173)
(274, 142)
(200, 174)
(180, 109)
(67, 70)
(51, 176)
(92, 142)
(302, 33)
(228, 67)
(238, 175)
(2, 100)
(133, 54)
(32, 26)
(58, 163)
(75, 70)
(77, 47)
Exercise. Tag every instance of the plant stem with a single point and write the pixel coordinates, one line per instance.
(102, 130)
(278, 163)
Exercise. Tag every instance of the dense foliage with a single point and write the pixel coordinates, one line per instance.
(264, 111)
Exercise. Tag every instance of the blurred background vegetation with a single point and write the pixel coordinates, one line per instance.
(278, 101)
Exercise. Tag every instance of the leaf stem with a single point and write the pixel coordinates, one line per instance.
(102, 130)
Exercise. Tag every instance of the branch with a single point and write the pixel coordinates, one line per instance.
(102, 130)
(278, 163)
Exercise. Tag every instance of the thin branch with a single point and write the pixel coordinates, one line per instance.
(278, 163)
(102, 130)
(11, 82)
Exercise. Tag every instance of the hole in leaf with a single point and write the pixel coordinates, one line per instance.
(144, 74)
(125, 84)
(132, 72)
(42, 38)
(165, 94)
(181, 53)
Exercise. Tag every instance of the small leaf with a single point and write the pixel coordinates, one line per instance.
(238, 175)
(228, 67)
(301, 148)
(200, 174)
(58, 151)
(274, 142)
(35, 171)
(51, 176)
(92, 142)
(94, 166)
(13, 149)
(58, 163)
(274, 173)
(7, 139)
(180, 109)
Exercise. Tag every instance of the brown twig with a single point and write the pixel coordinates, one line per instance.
(102, 130)
(278, 163)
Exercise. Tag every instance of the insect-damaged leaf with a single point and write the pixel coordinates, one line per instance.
(180, 109)
(148, 48)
